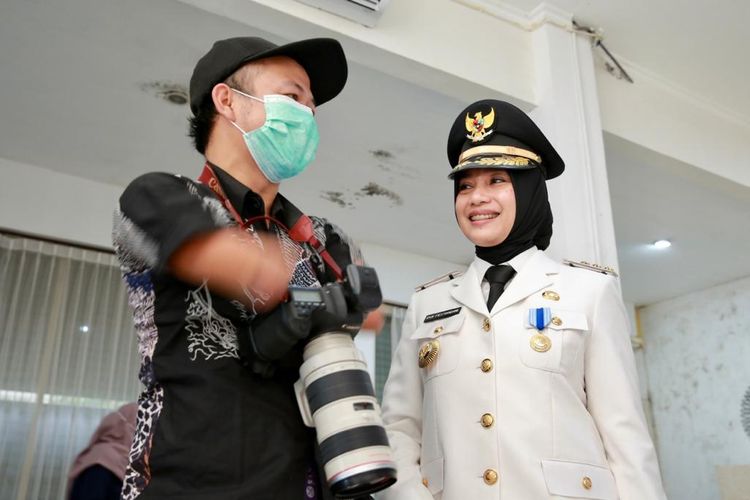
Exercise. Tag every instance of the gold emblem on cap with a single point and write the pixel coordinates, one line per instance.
(428, 353)
(479, 127)
(540, 342)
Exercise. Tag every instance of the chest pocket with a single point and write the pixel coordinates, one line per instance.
(439, 346)
(557, 345)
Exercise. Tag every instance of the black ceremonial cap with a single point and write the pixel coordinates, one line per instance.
(496, 134)
(322, 58)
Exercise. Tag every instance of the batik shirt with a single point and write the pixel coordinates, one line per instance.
(207, 427)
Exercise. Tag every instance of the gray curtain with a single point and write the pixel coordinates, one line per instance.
(68, 356)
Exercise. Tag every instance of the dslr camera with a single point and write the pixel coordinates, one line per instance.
(334, 390)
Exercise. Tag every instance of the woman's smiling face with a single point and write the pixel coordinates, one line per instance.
(486, 206)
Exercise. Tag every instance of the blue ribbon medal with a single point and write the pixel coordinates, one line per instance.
(539, 318)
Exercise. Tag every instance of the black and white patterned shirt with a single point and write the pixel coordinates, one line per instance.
(207, 428)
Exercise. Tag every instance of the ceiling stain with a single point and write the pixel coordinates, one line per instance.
(387, 162)
(375, 189)
(370, 190)
(381, 154)
(173, 93)
(336, 197)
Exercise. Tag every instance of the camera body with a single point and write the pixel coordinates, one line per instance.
(334, 391)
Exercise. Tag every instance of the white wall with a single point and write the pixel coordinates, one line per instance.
(697, 352)
(45, 203)
(400, 272)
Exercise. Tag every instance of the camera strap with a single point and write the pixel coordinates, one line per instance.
(300, 228)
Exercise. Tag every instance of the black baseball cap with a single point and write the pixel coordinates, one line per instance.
(322, 58)
(496, 134)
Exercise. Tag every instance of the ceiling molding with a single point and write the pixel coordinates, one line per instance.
(682, 93)
(544, 13)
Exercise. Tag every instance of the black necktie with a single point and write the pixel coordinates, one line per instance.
(498, 277)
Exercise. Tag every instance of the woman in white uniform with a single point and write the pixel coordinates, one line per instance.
(515, 380)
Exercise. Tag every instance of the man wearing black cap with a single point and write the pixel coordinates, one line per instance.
(202, 258)
(515, 380)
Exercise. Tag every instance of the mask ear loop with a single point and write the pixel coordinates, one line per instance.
(277, 97)
(238, 127)
(247, 95)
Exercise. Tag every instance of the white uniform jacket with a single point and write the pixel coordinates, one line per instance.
(492, 418)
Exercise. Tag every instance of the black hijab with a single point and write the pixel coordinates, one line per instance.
(533, 224)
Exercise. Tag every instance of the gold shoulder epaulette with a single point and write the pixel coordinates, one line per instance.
(439, 279)
(591, 267)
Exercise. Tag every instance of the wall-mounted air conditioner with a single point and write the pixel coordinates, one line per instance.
(366, 12)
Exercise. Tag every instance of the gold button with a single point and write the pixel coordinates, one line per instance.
(487, 420)
(425, 481)
(486, 325)
(490, 476)
(586, 482)
(550, 295)
(556, 321)
(438, 329)
(486, 365)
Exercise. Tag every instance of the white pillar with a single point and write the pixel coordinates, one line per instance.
(568, 113)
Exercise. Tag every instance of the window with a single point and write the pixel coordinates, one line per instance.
(386, 343)
(68, 356)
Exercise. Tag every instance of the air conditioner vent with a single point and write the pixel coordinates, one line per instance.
(366, 12)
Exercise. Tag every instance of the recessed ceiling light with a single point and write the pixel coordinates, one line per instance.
(662, 244)
(84, 329)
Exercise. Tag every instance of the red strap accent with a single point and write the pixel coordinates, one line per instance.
(301, 231)
(208, 177)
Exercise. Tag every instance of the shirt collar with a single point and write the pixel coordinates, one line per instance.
(516, 263)
(249, 204)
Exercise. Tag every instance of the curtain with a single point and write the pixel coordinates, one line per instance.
(68, 356)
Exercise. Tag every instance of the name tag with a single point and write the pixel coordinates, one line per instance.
(441, 315)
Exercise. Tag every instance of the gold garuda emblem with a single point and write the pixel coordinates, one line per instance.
(480, 126)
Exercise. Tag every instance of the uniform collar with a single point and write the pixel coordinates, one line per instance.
(533, 274)
(516, 263)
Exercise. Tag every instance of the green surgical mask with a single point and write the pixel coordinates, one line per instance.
(286, 143)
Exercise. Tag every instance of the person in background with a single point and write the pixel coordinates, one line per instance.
(98, 471)
(517, 379)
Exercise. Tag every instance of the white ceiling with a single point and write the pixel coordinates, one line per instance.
(695, 45)
(76, 96)
(705, 216)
